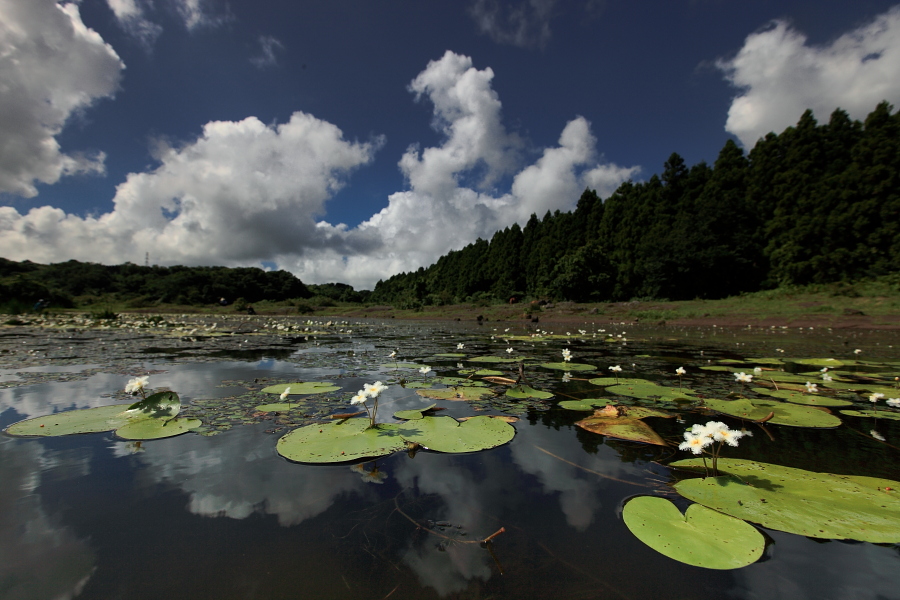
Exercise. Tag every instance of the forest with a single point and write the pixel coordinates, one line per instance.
(813, 204)
(817, 203)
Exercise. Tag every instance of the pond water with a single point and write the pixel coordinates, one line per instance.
(218, 513)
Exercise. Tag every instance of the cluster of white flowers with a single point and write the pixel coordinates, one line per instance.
(370, 390)
(567, 355)
(699, 436)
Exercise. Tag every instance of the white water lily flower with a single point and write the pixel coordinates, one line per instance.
(826, 377)
(857, 351)
(137, 384)
(695, 443)
(393, 354)
(373, 390)
(285, 393)
(680, 371)
(425, 370)
(811, 388)
(460, 346)
(757, 371)
(729, 436)
(877, 435)
(616, 369)
(509, 350)
(567, 355)
(895, 402)
(876, 397)
(359, 398)
(743, 377)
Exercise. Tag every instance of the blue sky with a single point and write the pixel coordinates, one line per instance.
(350, 140)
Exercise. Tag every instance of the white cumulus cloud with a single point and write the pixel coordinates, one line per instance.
(51, 68)
(245, 192)
(780, 75)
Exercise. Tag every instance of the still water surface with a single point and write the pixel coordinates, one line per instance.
(223, 516)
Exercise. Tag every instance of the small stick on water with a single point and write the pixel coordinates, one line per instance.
(493, 535)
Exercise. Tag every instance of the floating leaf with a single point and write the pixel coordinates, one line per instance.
(153, 429)
(277, 407)
(352, 439)
(878, 414)
(650, 390)
(417, 385)
(525, 391)
(452, 381)
(819, 505)
(88, 420)
(445, 434)
(792, 415)
(701, 537)
(624, 428)
(801, 398)
(568, 366)
(450, 355)
(480, 372)
(413, 415)
(584, 404)
(307, 387)
(456, 393)
(401, 365)
(831, 363)
(604, 381)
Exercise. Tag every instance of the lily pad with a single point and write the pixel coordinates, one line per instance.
(481, 372)
(831, 363)
(306, 387)
(604, 381)
(496, 359)
(649, 390)
(276, 407)
(624, 428)
(701, 537)
(413, 415)
(801, 398)
(446, 434)
(401, 365)
(341, 441)
(452, 381)
(818, 505)
(792, 415)
(451, 355)
(161, 405)
(154, 429)
(456, 393)
(568, 366)
(584, 404)
(525, 391)
(878, 414)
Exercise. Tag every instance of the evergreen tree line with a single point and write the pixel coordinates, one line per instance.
(813, 204)
(60, 283)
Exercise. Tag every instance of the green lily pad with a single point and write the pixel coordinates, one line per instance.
(878, 414)
(831, 363)
(701, 537)
(525, 391)
(792, 415)
(446, 434)
(341, 441)
(584, 404)
(719, 368)
(161, 405)
(496, 359)
(453, 381)
(401, 365)
(307, 387)
(568, 366)
(154, 429)
(649, 390)
(481, 372)
(818, 505)
(417, 385)
(801, 398)
(413, 415)
(276, 407)
(456, 393)
(765, 361)
(450, 355)
(604, 381)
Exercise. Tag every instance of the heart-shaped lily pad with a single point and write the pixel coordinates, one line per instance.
(604, 381)
(161, 405)
(878, 414)
(785, 413)
(341, 441)
(700, 537)
(584, 404)
(414, 414)
(446, 434)
(819, 505)
(525, 391)
(568, 366)
(456, 393)
(831, 363)
(649, 390)
(801, 398)
(306, 387)
(154, 429)
(453, 381)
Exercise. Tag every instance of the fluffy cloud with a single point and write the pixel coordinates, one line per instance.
(780, 75)
(133, 19)
(244, 192)
(52, 66)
